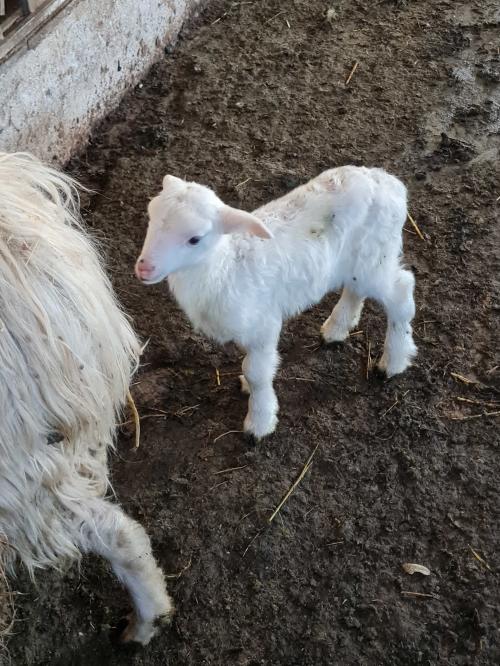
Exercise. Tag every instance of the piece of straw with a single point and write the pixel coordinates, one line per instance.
(179, 573)
(229, 432)
(415, 226)
(474, 416)
(137, 420)
(355, 67)
(479, 558)
(294, 485)
(464, 380)
(369, 360)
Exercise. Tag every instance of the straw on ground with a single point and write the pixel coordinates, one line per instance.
(229, 432)
(294, 485)
(354, 68)
(369, 359)
(415, 226)
(464, 380)
(137, 420)
(474, 416)
(479, 558)
(179, 573)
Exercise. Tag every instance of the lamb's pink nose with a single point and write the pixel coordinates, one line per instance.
(144, 269)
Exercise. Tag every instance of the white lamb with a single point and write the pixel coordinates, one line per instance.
(239, 275)
(66, 357)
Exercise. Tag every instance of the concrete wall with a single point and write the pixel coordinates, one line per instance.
(69, 73)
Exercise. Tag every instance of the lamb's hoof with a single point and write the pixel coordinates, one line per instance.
(333, 335)
(117, 631)
(330, 344)
(378, 373)
(119, 634)
(259, 430)
(137, 632)
(244, 385)
(390, 370)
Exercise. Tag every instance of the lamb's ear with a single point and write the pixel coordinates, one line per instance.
(233, 220)
(169, 180)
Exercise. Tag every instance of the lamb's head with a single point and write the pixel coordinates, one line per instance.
(186, 221)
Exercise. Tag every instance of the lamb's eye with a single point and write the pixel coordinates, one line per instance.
(194, 240)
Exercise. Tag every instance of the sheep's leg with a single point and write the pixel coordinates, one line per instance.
(259, 367)
(245, 386)
(399, 348)
(109, 532)
(345, 316)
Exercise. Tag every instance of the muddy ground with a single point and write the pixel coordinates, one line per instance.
(253, 101)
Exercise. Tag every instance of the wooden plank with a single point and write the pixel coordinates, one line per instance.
(16, 41)
(2, 7)
(33, 5)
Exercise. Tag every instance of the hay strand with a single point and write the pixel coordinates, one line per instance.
(464, 380)
(409, 593)
(179, 573)
(479, 558)
(355, 67)
(293, 486)
(229, 432)
(474, 416)
(415, 226)
(137, 420)
(369, 361)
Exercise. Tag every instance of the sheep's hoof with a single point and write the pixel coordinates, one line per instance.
(131, 630)
(118, 634)
(250, 439)
(379, 373)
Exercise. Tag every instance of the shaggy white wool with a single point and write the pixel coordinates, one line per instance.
(67, 353)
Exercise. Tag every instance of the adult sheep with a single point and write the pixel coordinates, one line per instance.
(67, 354)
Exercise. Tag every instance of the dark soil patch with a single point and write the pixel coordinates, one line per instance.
(253, 101)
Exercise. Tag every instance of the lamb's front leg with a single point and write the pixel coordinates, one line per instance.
(259, 367)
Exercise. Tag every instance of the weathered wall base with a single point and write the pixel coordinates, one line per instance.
(68, 74)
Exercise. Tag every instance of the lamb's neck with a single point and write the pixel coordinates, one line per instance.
(207, 275)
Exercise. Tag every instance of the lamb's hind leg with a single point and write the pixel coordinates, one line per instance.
(399, 348)
(345, 316)
(109, 532)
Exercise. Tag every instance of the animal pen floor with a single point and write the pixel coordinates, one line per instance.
(253, 100)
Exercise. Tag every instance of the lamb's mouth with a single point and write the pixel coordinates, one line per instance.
(154, 279)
